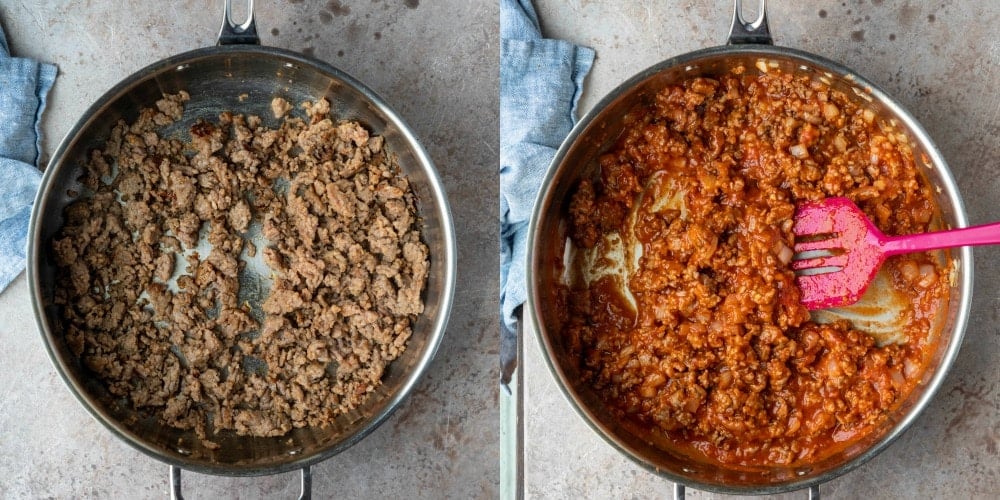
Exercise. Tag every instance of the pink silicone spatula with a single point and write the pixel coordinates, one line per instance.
(838, 250)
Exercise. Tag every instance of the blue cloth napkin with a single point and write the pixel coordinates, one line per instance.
(540, 83)
(24, 84)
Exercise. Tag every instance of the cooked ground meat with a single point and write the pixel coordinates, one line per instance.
(280, 107)
(213, 349)
(705, 342)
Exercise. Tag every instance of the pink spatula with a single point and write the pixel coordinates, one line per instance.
(838, 250)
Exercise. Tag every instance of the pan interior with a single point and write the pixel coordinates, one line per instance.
(243, 79)
(577, 159)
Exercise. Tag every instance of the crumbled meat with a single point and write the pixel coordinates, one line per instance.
(280, 107)
(239, 216)
(342, 244)
(711, 349)
(172, 106)
(164, 266)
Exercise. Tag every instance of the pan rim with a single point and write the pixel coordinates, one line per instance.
(544, 200)
(447, 260)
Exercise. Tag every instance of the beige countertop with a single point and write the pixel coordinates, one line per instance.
(442, 441)
(435, 62)
(941, 60)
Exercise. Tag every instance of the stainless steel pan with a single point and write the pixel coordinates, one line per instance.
(240, 75)
(749, 44)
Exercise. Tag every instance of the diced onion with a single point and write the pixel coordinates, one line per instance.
(908, 269)
(785, 254)
(830, 111)
(897, 378)
(840, 143)
(798, 151)
(927, 276)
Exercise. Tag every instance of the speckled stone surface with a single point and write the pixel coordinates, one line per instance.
(435, 62)
(941, 60)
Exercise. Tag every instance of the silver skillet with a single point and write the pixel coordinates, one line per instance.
(749, 44)
(240, 75)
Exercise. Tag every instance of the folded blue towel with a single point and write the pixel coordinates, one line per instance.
(540, 84)
(24, 84)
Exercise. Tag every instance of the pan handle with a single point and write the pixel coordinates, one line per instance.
(232, 33)
(755, 31)
(305, 488)
(679, 492)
